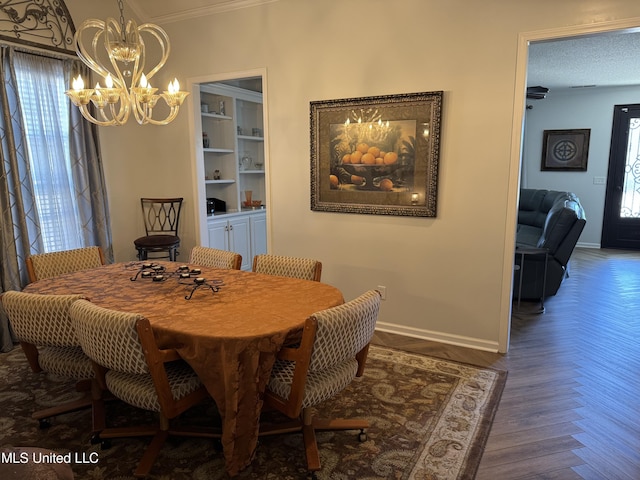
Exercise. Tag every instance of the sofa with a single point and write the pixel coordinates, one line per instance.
(548, 220)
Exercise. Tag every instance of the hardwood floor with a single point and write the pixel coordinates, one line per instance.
(570, 408)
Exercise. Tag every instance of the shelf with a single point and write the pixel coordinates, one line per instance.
(251, 171)
(217, 150)
(216, 115)
(251, 138)
(210, 182)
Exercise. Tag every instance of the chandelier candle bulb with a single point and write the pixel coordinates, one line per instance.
(78, 94)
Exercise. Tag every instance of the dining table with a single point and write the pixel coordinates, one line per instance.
(227, 324)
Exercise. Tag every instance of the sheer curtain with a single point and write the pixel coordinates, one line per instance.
(40, 83)
(52, 194)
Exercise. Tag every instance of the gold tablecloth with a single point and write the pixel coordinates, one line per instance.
(230, 337)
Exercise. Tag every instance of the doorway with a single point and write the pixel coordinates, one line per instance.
(229, 130)
(621, 224)
(524, 41)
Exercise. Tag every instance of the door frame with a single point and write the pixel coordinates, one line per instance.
(517, 129)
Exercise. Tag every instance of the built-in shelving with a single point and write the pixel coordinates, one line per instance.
(233, 162)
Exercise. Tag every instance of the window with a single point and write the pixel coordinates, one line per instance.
(45, 109)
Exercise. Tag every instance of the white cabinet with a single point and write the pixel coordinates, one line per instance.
(245, 234)
(258, 224)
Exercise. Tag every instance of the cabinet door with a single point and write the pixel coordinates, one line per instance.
(258, 235)
(240, 239)
(219, 235)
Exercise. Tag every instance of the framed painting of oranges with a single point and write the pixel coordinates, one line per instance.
(376, 155)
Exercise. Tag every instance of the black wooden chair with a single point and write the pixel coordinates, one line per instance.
(161, 218)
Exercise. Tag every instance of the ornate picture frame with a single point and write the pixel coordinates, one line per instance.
(565, 150)
(376, 155)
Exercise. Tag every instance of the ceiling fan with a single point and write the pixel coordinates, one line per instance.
(537, 93)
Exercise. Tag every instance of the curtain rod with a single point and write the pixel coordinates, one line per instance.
(40, 51)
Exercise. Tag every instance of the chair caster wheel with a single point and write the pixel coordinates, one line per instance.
(362, 436)
(95, 439)
(105, 444)
(44, 423)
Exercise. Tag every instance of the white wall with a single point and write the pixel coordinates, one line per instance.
(446, 277)
(572, 109)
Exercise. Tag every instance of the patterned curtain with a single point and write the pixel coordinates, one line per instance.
(20, 233)
(88, 175)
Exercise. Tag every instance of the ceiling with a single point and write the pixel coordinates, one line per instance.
(603, 60)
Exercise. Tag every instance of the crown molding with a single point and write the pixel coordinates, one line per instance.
(218, 7)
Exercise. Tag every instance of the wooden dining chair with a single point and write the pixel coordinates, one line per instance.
(52, 264)
(332, 352)
(161, 219)
(43, 327)
(304, 268)
(129, 365)
(216, 258)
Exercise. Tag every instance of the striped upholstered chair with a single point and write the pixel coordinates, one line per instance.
(47, 265)
(304, 268)
(216, 258)
(43, 326)
(129, 365)
(332, 352)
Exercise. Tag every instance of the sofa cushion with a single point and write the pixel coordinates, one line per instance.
(528, 236)
(530, 210)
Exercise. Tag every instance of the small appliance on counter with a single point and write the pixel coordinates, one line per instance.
(215, 205)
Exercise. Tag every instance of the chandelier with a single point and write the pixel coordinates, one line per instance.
(126, 87)
(367, 125)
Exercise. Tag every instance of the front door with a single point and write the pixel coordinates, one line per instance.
(621, 225)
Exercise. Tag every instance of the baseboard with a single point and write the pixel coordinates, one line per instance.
(587, 245)
(458, 340)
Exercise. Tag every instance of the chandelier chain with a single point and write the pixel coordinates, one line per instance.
(122, 23)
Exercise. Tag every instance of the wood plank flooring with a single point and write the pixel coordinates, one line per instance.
(570, 408)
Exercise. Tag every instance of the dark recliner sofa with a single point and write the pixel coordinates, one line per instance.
(553, 221)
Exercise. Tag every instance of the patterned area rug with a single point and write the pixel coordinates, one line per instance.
(430, 419)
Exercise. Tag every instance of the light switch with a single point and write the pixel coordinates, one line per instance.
(599, 180)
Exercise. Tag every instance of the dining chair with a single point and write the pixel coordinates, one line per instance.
(43, 327)
(161, 218)
(304, 268)
(216, 258)
(52, 264)
(129, 365)
(332, 352)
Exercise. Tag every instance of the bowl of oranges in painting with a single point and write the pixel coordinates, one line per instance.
(369, 168)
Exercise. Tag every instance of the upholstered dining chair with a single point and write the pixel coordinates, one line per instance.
(216, 258)
(332, 352)
(43, 327)
(304, 268)
(129, 365)
(161, 219)
(52, 264)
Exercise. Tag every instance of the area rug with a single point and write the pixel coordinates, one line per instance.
(430, 419)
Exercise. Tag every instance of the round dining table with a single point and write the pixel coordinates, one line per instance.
(227, 324)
